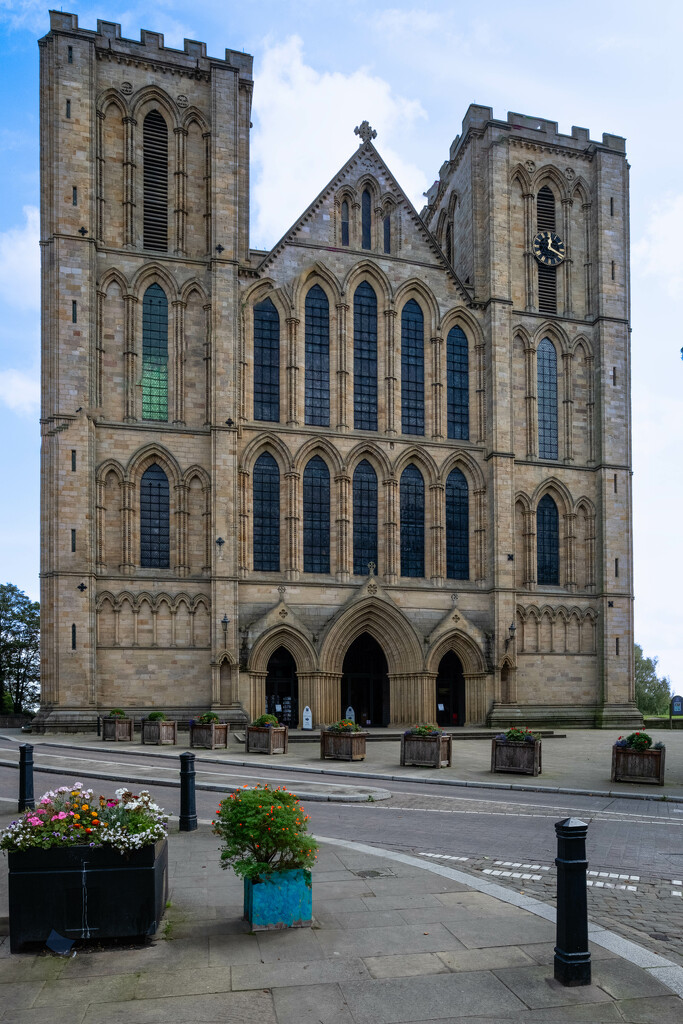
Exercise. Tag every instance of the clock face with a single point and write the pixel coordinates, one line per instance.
(549, 248)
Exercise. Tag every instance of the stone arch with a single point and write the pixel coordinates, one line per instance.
(282, 635)
(113, 275)
(154, 273)
(369, 181)
(366, 270)
(557, 335)
(521, 332)
(319, 274)
(385, 623)
(558, 491)
(152, 95)
(266, 442)
(472, 658)
(112, 97)
(423, 295)
(469, 466)
(374, 454)
(581, 189)
(267, 288)
(322, 447)
(549, 175)
(422, 459)
(463, 318)
(582, 342)
(441, 228)
(144, 457)
(194, 115)
(519, 174)
(193, 285)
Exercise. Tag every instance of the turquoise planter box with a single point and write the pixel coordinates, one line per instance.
(281, 900)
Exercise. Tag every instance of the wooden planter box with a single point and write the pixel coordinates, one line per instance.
(86, 892)
(117, 729)
(159, 732)
(209, 736)
(283, 899)
(264, 739)
(342, 746)
(638, 765)
(519, 758)
(430, 751)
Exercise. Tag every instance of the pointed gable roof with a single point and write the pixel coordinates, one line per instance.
(365, 155)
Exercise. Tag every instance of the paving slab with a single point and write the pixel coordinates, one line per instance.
(536, 987)
(489, 931)
(311, 1004)
(486, 959)
(382, 941)
(405, 965)
(223, 1008)
(657, 1010)
(283, 974)
(204, 980)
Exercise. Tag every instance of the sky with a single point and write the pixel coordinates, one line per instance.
(320, 68)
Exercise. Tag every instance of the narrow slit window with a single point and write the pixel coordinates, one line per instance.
(266, 362)
(613, 268)
(73, 460)
(155, 354)
(73, 540)
(73, 636)
(617, 646)
(155, 182)
(611, 206)
(74, 196)
(412, 369)
(366, 220)
(317, 311)
(74, 312)
(68, 108)
(345, 223)
(614, 376)
(616, 566)
(364, 518)
(449, 243)
(387, 233)
(615, 483)
(266, 514)
(364, 358)
(69, 54)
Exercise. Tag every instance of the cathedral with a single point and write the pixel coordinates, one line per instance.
(384, 465)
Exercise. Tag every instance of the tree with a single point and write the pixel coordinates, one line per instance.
(19, 650)
(652, 693)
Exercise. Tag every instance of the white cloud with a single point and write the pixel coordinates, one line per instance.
(20, 263)
(20, 391)
(651, 254)
(304, 133)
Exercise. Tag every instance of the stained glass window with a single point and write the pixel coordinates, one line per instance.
(412, 369)
(412, 522)
(457, 527)
(317, 358)
(366, 220)
(154, 519)
(155, 354)
(364, 517)
(546, 364)
(266, 362)
(316, 516)
(365, 358)
(266, 514)
(547, 542)
(345, 223)
(457, 385)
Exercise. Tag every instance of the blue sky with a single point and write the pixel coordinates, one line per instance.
(412, 70)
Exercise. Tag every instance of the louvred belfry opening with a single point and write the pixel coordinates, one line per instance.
(547, 276)
(155, 180)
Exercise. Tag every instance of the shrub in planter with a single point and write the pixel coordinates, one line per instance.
(117, 726)
(208, 731)
(265, 840)
(88, 867)
(156, 728)
(344, 740)
(426, 745)
(265, 735)
(636, 759)
(518, 750)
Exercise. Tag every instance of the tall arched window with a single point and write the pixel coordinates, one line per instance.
(345, 223)
(366, 220)
(387, 233)
(412, 369)
(449, 242)
(316, 516)
(457, 527)
(547, 276)
(154, 519)
(546, 367)
(266, 362)
(547, 542)
(266, 514)
(364, 517)
(155, 354)
(412, 522)
(364, 358)
(155, 182)
(457, 385)
(317, 358)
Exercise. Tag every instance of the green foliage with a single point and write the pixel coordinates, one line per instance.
(208, 717)
(424, 729)
(156, 716)
(639, 741)
(343, 725)
(263, 830)
(265, 720)
(653, 694)
(517, 734)
(117, 713)
(19, 650)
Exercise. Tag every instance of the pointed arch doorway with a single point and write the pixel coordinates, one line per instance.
(282, 688)
(365, 682)
(450, 691)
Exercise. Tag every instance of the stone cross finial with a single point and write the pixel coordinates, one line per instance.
(365, 131)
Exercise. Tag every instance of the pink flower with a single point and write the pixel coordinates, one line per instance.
(41, 810)
(58, 817)
(34, 821)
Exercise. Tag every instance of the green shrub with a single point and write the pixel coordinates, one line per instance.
(207, 718)
(265, 720)
(343, 725)
(156, 716)
(117, 713)
(424, 729)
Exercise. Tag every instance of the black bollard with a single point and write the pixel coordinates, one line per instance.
(572, 956)
(188, 805)
(99, 725)
(26, 798)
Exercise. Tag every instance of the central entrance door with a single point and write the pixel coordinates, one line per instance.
(450, 691)
(365, 683)
(282, 688)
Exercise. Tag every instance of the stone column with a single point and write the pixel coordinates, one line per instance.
(568, 406)
(180, 175)
(480, 358)
(566, 266)
(480, 534)
(530, 548)
(178, 362)
(390, 371)
(257, 694)
(207, 365)
(570, 550)
(529, 261)
(412, 697)
(391, 534)
(130, 359)
(344, 566)
(293, 362)
(243, 543)
(437, 534)
(100, 175)
(182, 568)
(437, 390)
(99, 348)
(129, 532)
(530, 401)
(101, 554)
(292, 518)
(129, 182)
(343, 376)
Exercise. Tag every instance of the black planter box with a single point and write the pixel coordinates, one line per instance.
(86, 893)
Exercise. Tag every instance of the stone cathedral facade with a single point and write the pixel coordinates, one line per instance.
(384, 465)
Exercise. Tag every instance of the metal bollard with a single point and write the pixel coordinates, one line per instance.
(99, 726)
(26, 798)
(188, 805)
(572, 956)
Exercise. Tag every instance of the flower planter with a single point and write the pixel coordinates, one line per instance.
(629, 765)
(342, 746)
(159, 732)
(86, 892)
(519, 758)
(283, 899)
(264, 739)
(115, 729)
(430, 751)
(209, 735)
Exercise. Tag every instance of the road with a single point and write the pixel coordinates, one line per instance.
(635, 848)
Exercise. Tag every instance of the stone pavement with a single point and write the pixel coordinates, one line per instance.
(394, 940)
